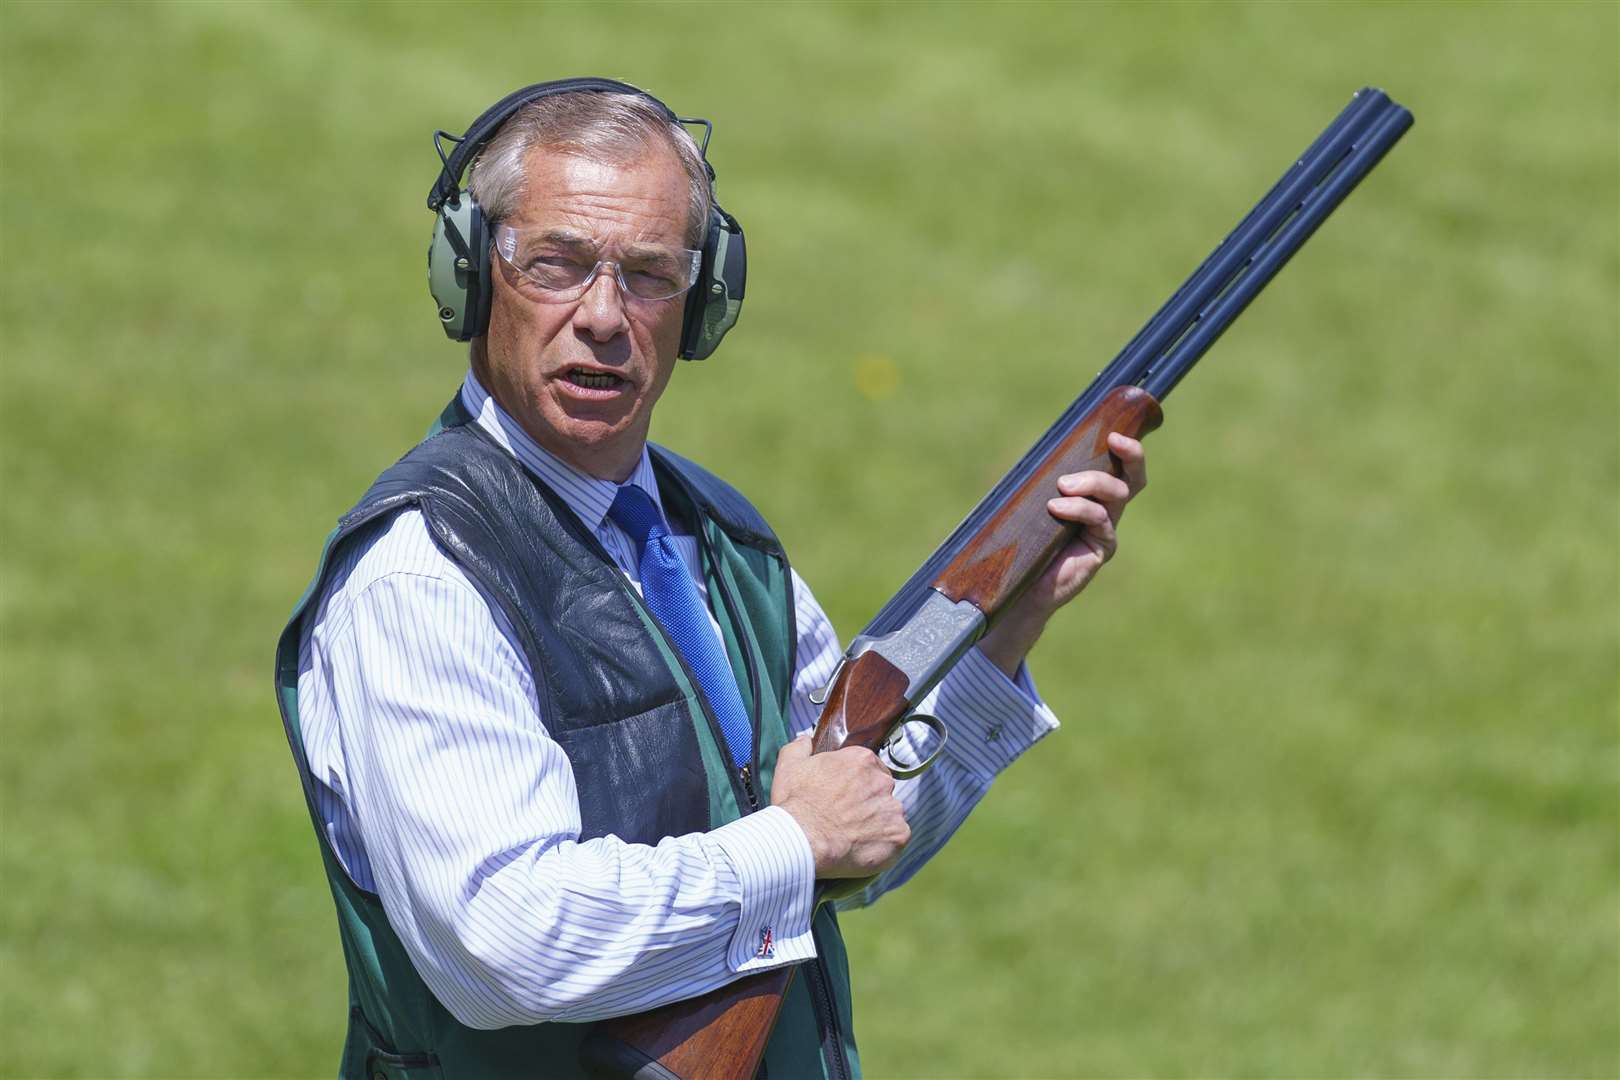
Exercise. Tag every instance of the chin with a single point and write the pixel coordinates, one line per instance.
(590, 433)
(583, 432)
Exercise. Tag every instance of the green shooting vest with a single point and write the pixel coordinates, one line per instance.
(648, 758)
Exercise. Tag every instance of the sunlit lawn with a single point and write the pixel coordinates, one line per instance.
(1336, 789)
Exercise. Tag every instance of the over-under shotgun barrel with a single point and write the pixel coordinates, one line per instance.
(999, 554)
(996, 551)
(1344, 153)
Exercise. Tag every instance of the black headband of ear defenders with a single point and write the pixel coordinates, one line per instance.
(483, 129)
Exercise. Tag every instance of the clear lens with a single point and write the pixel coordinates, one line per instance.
(561, 267)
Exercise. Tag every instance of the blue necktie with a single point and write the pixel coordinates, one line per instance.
(672, 596)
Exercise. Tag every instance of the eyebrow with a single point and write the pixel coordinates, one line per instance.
(569, 239)
(563, 238)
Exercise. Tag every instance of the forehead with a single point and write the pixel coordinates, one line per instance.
(645, 198)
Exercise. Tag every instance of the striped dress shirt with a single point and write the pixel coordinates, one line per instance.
(441, 791)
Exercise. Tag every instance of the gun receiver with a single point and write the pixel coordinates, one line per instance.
(997, 551)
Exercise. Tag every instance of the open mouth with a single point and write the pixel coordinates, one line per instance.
(594, 380)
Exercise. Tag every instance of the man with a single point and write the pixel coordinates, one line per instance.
(546, 690)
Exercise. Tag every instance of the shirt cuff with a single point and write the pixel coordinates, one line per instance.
(992, 719)
(776, 878)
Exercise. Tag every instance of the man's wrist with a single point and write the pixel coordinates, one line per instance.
(1007, 645)
(993, 718)
(820, 849)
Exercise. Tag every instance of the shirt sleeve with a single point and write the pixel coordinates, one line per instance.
(991, 721)
(470, 820)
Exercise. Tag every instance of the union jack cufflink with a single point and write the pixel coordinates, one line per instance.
(767, 947)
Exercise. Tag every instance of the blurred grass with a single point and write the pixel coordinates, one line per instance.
(1336, 792)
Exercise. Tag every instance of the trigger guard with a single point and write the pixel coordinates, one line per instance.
(886, 752)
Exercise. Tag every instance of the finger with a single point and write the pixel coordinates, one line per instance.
(1103, 538)
(902, 831)
(1075, 573)
(1080, 560)
(878, 777)
(859, 757)
(794, 750)
(1078, 511)
(1095, 484)
(1132, 459)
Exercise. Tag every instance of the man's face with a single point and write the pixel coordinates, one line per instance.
(545, 361)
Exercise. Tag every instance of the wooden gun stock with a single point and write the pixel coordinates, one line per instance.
(722, 1035)
(998, 550)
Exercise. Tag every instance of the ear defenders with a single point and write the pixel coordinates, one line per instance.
(459, 254)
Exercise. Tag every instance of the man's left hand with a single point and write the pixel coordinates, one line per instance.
(1094, 500)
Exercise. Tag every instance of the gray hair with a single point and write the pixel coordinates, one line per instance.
(608, 127)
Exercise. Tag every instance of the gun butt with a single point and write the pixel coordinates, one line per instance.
(720, 1035)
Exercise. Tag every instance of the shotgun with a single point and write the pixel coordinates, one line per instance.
(994, 554)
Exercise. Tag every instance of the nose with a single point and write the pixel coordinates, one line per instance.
(600, 311)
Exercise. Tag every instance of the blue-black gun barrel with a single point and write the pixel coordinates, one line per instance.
(1303, 215)
(1171, 322)
(1182, 330)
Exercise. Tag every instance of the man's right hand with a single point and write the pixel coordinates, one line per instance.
(844, 801)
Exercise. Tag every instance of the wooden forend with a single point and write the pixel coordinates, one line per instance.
(1023, 537)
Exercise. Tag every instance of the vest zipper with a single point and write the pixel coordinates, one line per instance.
(815, 970)
(832, 1036)
(742, 783)
(742, 780)
(746, 773)
(742, 788)
(747, 779)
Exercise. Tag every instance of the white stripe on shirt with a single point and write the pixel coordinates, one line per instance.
(440, 789)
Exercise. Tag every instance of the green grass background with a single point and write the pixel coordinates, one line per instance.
(1336, 790)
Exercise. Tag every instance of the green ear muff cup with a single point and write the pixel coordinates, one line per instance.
(458, 269)
(715, 302)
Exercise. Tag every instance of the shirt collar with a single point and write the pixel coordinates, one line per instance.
(588, 497)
